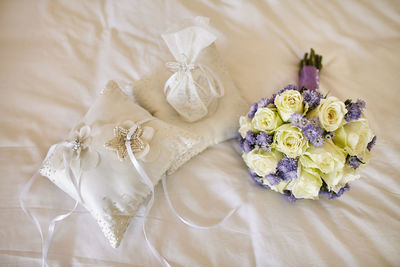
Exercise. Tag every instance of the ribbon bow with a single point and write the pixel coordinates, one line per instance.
(77, 152)
(180, 66)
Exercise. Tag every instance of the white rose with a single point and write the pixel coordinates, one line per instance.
(266, 119)
(354, 137)
(261, 162)
(307, 185)
(337, 180)
(331, 112)
(288, 103)
(289, 140)
(245, 126)
(328, 158)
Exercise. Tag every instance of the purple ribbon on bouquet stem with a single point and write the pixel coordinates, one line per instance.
(309, 78)
(310, 65)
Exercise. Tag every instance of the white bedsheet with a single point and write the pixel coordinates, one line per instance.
(55, 56)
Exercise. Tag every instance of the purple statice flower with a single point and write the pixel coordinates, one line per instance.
(311, 133)
(263, 140)
(295, 120)
(291, 197)
(315, 122)
(371, 144)
(250, 137)
(272, 99)
(253, 110)
(287, 169)
(298, 120)
(354, 110)
(333, 195)
(288, 87)
(287, 164)
(303, 123)
(361, 103)
(273, 179)
(266, 147)
(287, 176)
(257, 179)
(263, 103)
(247, 147)
(318, 142)
(354, 161)
(241, 141)
(312, 98)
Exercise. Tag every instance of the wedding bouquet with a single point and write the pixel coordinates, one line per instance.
(303, 144)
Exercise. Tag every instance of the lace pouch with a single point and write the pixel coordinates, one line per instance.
(216, 123)
(194, 87)
(107, 184)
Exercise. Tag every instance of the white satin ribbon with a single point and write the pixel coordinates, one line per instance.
(149, 183)
(25, 190)
(186, 221)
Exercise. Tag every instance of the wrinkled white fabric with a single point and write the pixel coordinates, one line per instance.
(55, 57)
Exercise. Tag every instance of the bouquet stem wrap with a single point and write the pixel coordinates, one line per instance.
(309, 78)
(310, 67)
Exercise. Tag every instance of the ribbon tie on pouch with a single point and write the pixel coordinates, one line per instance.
(192, 89)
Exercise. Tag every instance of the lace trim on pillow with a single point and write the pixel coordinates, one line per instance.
(47, 170)
(113, 221)
(185, 157)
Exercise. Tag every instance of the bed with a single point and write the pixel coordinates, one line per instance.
(57, 55)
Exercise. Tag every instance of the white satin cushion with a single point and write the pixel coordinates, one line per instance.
(111, 188)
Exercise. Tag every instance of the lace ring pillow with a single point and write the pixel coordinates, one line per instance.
(107, 184)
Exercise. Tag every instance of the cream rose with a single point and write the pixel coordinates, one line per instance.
(354, 137)
(288, 103)
(245, 126)
(266, 119)
(282, 186)
(307, 185)
(338, 179)
(331, 113)
(289, 140)
(327, 159)
(261, 162)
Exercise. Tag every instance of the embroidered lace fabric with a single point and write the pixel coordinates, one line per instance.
(113, 191)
